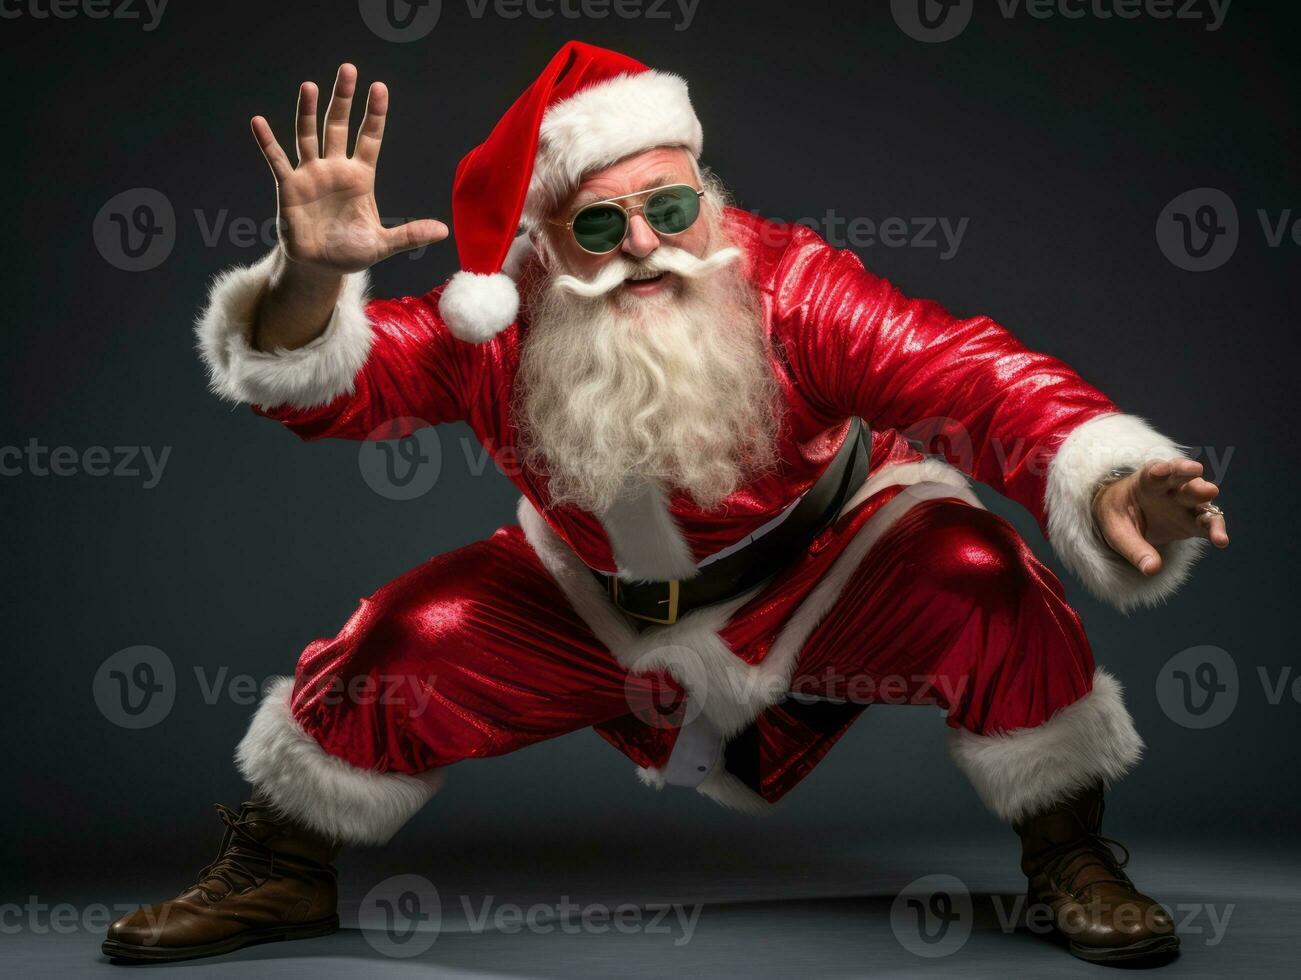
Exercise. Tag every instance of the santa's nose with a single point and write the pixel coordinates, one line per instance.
(641, 240)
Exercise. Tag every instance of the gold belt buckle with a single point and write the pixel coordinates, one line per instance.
(671, 615)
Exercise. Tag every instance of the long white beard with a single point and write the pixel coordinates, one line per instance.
(621, 391)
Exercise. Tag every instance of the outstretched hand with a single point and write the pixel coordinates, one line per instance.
(1165, 501)
(329, 221)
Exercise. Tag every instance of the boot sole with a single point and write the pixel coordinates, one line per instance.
(1156, 946)
(133, 953)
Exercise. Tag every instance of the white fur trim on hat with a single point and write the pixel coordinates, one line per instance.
(476, 307)
(605, 123)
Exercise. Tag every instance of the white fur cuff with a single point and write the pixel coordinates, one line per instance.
(305, 783)
(314, 374)
(1024, 772)
(1087, 455)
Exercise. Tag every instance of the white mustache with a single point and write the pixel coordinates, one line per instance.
(666, 258)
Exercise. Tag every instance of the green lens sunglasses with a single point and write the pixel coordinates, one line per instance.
(600, 227)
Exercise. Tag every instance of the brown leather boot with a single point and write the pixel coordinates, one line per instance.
(1075, 874)
(271, 880)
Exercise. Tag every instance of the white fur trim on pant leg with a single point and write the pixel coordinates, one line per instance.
(1026, 771)
(333, 797)
(308, 376)
(728, 789)
(477, 307)
(604, 123)
(651, 776)
(721, 786)
(1086, 456)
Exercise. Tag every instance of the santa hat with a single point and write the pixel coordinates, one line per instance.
(589, 108)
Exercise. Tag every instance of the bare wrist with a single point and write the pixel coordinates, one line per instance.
(297, 305)
(292, 274)
(1115, 476)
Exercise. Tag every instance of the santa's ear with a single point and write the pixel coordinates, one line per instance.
(538, 239)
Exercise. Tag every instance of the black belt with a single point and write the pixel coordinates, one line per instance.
(664, 601)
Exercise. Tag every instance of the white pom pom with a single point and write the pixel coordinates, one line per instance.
(477, 307)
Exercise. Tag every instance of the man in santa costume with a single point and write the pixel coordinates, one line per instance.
(725, 547)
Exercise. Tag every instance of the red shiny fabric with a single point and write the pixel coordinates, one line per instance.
(477, 653)
(474, 653)
(844, 343)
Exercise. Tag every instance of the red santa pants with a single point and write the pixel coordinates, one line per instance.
(478, 652)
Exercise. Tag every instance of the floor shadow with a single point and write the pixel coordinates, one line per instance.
(760, 937)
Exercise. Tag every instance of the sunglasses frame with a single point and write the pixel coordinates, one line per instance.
(627, 215)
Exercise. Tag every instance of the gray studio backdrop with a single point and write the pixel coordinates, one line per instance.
(1038, 169)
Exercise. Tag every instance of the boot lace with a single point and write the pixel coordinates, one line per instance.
(1065, 862)
(242, 858)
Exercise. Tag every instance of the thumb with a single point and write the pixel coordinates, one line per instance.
(414, 234)
(1124, 537)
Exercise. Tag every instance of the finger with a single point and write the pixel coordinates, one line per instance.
(414, 234)
(1159, 472)
(336, 116)
(1214, 528)
(308, 145)
(371, 133)
(266, 141)
(1125, 538)
(1197, 492)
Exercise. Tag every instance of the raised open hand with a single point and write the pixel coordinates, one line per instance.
(329, 221)
(1167, 500)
